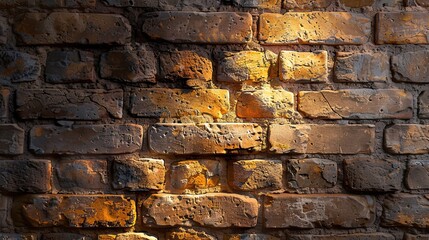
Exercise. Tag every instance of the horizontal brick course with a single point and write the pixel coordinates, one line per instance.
(407, 139)
(11, 139)
(402, 28)
(405, 210)
(25, 176)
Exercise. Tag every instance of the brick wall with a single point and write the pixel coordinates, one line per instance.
(210, 119)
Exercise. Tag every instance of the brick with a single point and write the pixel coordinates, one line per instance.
(411, 67)
(417, 175)
(423, 105)
(86, 139)
(265, 103)
(139, 175)
(158, 102)
(352, 236)
(64, 236)
(357, 3)
(218, 138)
(25, 176)
(134, 236)
(72, 28)
(76, 211)
(18, 67)
(129, 66)
(333, 28)
(82, 175)
(48, 4)
(5, 215)
(4, 30)
(170, 5)
(249, 236)
(365, 174)
(318, 210)
(106, 237)
(189, 234)
(362, 67)
(322, 139)
(11, 139)
(306, 5)
(236, 67)
(135, 3)
(4, 102)
(69, 67)
(423, 3)
(416, 237)
(356, 104)
(180, 65)
(405, 210)
(197, 27)
(297, 67)
(271, 5)
(407, 139)
(251, 175)
(91, 104)
(311, 173)
(402, 28)
(209, 210)
(16, 236)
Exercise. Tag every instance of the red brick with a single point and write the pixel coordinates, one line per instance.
(25, 176)
(268, 103)
(18, 67)
(82, 175)
(11, 139)
(407, 139)
(4, 102)
(411, 67)
(402, 28)
(423, 105)
(405, 210)
(69, 67)
(311, 173)
(180, 65)
(362, 67)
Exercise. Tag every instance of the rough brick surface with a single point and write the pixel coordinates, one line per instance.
(362, 67)
(311, 173)
(76, 28)
(249, 236)
(86, 139)
(14, 236)
(69, 104)
(179, 65)
(134, 236)
(64, 236)
(70, 67)
(423, 105)
(82, 175)
(406, 210)
(4, 102)
(411, 67)
(205, 138)
(357, 3)
(303, 66)
(186, 5)
(352, 236)
(18, 66)
(209, 210)
(356, 104)
(407, 139)
(271, 5)
(189, 234)
(158, 102)
(402, 28)
(417, 236)
(11, 139)
(423, 3)
(5, 216)
(48, 4)
(333, 28)
(417, 175)
(4, 30)
(309, 211)
(300, 5)
(194, 27)
(25, 176)
(256, 174)
(268, 103)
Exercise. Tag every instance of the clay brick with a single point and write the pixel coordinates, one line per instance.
(170, 5)
(311, 173)
(139, 175)
(75, 28)
(11, 139)
(77, 211)
(265, 103)
(86, 139)
(356, 104)
(64, 236)
(198, 27)
(134, 3)
(407, 139)
(362, 67)
(209, 210)
(69, 67)
(25, 176)
(271, 5)
(250, 236)
(48, 4)
(411, 67)
(82, 175)
(106, 237)
(18, 67)
(423, 3)
(423, 105)
(158, 102)
(134, 236)
(4, 30)
(357, 3)
(318, 210)
(250, 175)
(352, 236)
(322, 139)
(185, 65)
(417, 176)
(218, 138)
(189, 234)
(402, 28)
(5, 216)
(365, 174)
(406, 210)
(129, 66)
(333, 28)
(4, 102)
(303, 66)
(16, 236)
(69, 104)
(306, 5)
(416, 237)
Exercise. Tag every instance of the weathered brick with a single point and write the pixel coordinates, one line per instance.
(271, 5)
(265, 103)
(17, 236)
(402, 28)
(357, 3)
(209, 210)
(407, 139)
(106, 237)
(18, 67)
(352, 236)
(82, 175)
(158, 102)
(333, 28)
(416, 237)
(198, 27)
(218, 138)
(318, 210)
(189, 234)
(423, 3)
(411, 67)
(179, 65)
(423, 105)
(306, 5)
(129, 66)
(48, 4)
(25, 176)
(86, 139)
(4, 30)
(5, 212)
(76, 28)
(303, 66)
(417, 175)
(139, 175)
(69, 104)
(11, 139)
(406, 210)
(322, 139)
(356, 104)
(362, 67)
(134, 3)
(79, 211)
(170, 5)
(4, 102)
(311, 173)
(250, 175)
(250, 236)
(64, 236)
(69, 67)
(366, 174)
(134, 236)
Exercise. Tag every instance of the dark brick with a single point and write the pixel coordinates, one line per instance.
(423, 105)
(357, 3)
(70, 67)
(352, 236)
(11, 139)
(362, 67)
(64, 236)
(406, 210)
(179, 65)
(170, 5)
(423, 3)
(250, 236)
(17, 236)
(82, 175)
(418, 236)
(4, 30)
(5, 215)
(4, 102)
(411, 67)
(407, 139)
(311, 173)
(402, 28)
(270, 5)
(18, 67)
(417, 176)
(25, 176)
(306, 5)
(48, 3)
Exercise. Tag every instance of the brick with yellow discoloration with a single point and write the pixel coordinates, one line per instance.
(303, 66)
(188, 234)
(179, 65)
(406, 210)
(402, 28)
(265, 103)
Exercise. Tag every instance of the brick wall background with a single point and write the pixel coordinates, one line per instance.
(210, 119)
